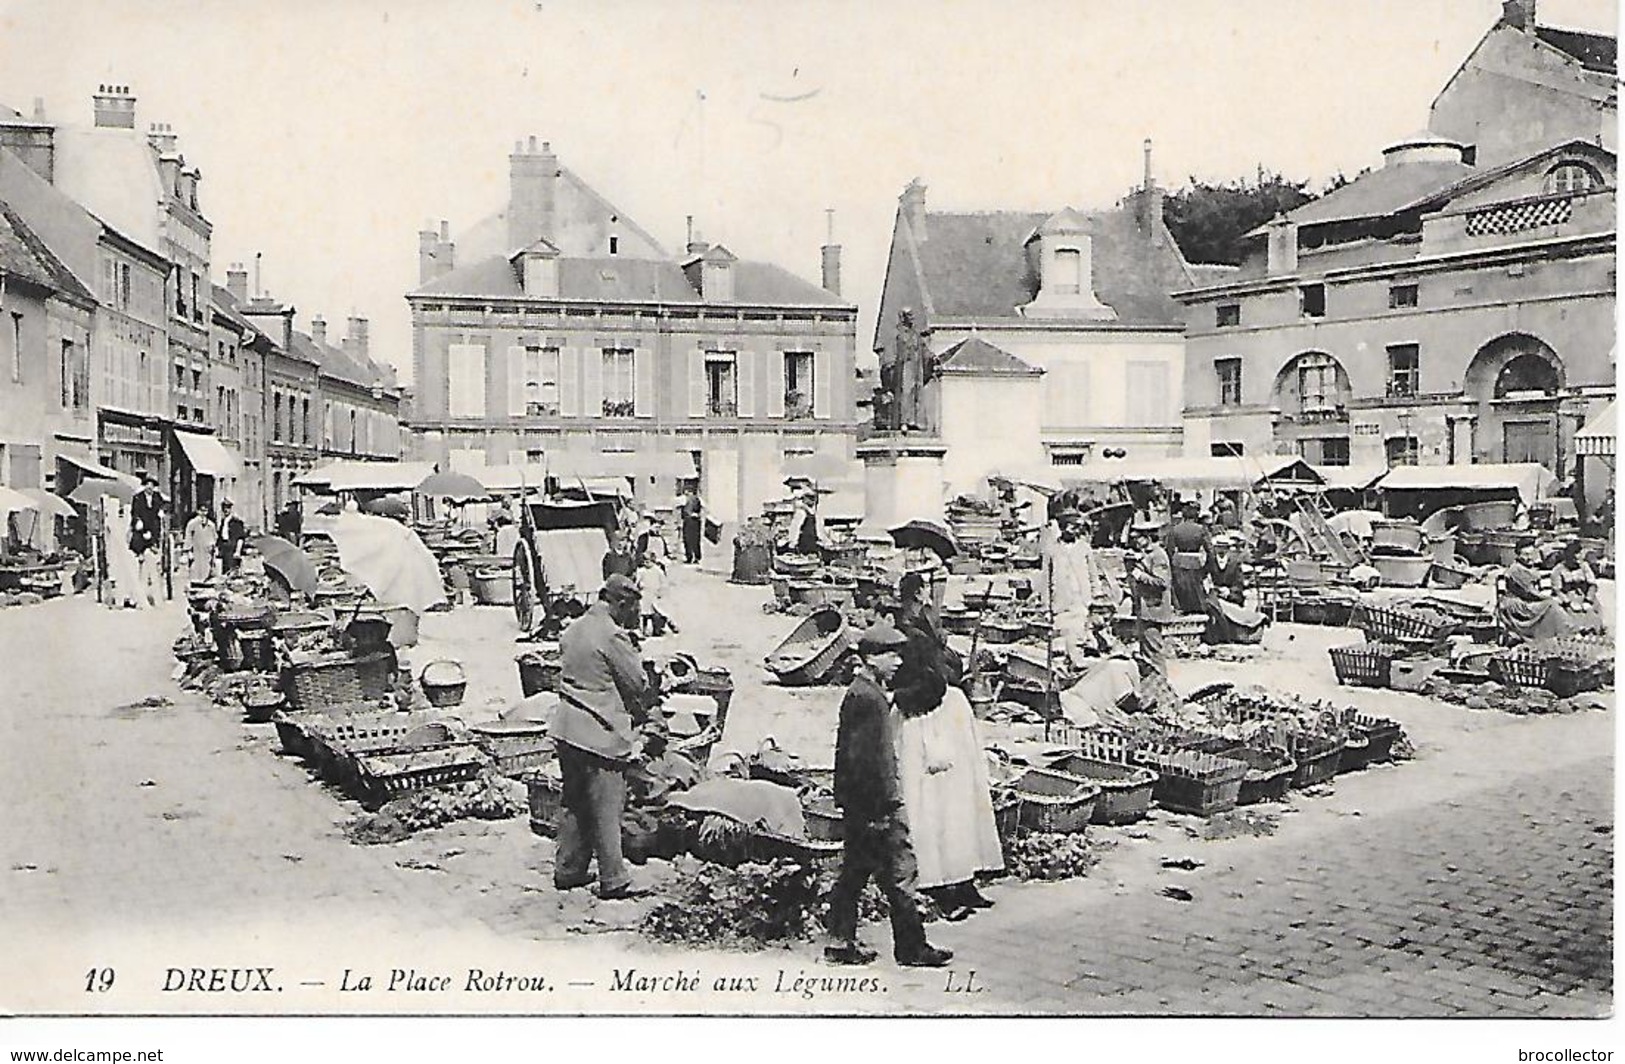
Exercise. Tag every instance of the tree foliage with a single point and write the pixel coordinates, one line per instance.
(1209, 220)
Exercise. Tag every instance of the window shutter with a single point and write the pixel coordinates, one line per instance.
(592, 382)
(643, 382)
(774, 382)
(696, 382)
(479, 369)
(745, 370)
(821, 384)
(517, 376)
(569, 382)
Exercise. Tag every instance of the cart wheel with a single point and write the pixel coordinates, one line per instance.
(524, 586)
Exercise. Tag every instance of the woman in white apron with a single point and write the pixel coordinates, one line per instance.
(123, 572)
(942, 765)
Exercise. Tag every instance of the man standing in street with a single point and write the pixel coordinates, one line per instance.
(1070, 581)
(869, 791)
(603, 694)
(146, 532)
(232, 535)
(693, 512)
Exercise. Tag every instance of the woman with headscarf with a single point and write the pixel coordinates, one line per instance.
(946, 798)
(1575, 586)
(1524, 608)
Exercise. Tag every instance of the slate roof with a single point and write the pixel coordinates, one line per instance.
(626, 280)
(974, 265)
(24, 256)
(225, 304)
(1593, 50)
(1384, 191)
(975, 355)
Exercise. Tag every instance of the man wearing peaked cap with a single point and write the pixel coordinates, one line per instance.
(603, 695)
(867, 788)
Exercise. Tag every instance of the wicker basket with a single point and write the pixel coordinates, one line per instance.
(538, 672)
(246, 615)
(260, 707)
(1387, 623)
(546, 799)
(1193, 782)
(1002, 631)
(1403, 570)
(386, 776)
(1446, 575)
(1317, 757)
(1055, 802)
(299, 622)
(1380, 734)
(514, 747)
(339, 679)
(444, 683)
(335, 740)
(1125, 790)
(823, 820)
(492, 587)
(1364, 664)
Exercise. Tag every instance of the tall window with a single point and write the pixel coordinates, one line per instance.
(619, 382)
(1227, 315)
(465, 380)
(276, 417)
(721, 385)
(66, 366)
(798, 384)
(1068, 271)
(1317, 383)
(1402, 450)
(1312, 300)
(197, 304)
(1404, 370)
(304, 420)
(123, 270)
(1229, 374)
(542, 381)
(16, 347)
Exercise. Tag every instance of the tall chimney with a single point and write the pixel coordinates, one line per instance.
(1519, 14)
(913, 204)
(162, 138)
(436, 252)
(355, 339)
(532, 176)
(1150, 197)
(237, 282)
(831, 258)
(318, 331)
(39, 109)
(114, 107)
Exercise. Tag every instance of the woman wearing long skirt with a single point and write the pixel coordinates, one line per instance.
(201, 540)
(123, 571)
(943, 767)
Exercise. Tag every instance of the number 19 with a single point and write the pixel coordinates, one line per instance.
(98, 980)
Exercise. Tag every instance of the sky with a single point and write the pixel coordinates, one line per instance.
(330, 131)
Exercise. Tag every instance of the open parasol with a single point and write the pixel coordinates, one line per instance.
(12, 500)
(389, 559)
(926, 535)
(459, 487)
(288, 561)
(388, 506)
(91, 490)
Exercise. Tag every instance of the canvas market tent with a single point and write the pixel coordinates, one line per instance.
(1597, 439)
(1528, 480)
(1220, 473)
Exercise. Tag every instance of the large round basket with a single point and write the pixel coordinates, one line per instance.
(444, 683)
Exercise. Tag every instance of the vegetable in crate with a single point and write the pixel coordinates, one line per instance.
(747, 907)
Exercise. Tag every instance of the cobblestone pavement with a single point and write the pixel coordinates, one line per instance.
(1496, 903)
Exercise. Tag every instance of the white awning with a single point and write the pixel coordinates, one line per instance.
(95, 469)
(207, 455)
(1597, 438)
(378, 476)
(1242, 472)
(1529, 480)
(1350, 477)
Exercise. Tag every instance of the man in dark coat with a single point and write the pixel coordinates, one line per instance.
(146, 530)
(693, 512)
(603, 696)
(869, 792)
(618, 559)
(232, 534)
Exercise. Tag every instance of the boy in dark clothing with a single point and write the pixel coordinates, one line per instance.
(870, 796)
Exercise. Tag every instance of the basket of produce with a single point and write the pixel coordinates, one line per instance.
(538, 671)
(294, 623)
(1269, 769)
(960, 621)
(444, 683)
(260, 705)
(290, 732)
(336, 597)
(545, 796)
(823, 819)
(1364, 664)
(1125, 790)
(324, 680)
(1317, 756)
(1379, 733)
(1403, 570)
(1002, 630)
(492, 587)
(335, 740)
(1330, 610)
(385, 776)
(795, 565)
(1391, 623)
(256, 650)
(238, 614)
(1189, 781)
(1355, 755)
(514, 746)
(846, 555)
(1054, 802)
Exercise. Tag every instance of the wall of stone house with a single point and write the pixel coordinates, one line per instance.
(1516, 96)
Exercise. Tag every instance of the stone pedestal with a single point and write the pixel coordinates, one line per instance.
(902, 480)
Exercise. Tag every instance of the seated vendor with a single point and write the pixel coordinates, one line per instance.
(1230, 620)
(1575, 585)
(1524, 608)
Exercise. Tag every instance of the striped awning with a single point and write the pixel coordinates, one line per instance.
(1597, 438)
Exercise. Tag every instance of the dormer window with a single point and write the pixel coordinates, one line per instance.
(1569, 178)
(1068, 271)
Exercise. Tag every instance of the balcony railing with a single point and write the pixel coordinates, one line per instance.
(619, 408)
(797, 407)
(722, 408)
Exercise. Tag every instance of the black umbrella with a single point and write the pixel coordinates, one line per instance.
(926, 535)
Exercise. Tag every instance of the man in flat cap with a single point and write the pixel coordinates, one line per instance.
(867, 788)
(603, 695)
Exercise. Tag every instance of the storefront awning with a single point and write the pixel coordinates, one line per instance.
(1529, 480)
(91, 468)
(207, 455)
(1596, 440)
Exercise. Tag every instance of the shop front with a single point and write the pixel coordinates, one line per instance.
(204, 472)
(135, 444)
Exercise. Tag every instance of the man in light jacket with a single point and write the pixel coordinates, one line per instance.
(603, 696)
